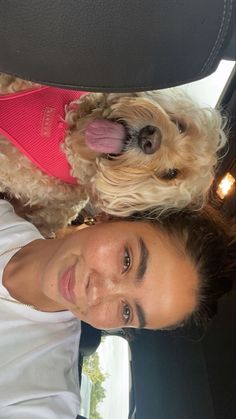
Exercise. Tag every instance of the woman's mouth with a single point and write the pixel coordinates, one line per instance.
(67, 284)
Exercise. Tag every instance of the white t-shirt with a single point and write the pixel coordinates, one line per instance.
(38, 351)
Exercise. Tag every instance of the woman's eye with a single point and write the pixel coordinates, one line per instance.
(126, 261)
(126, 313)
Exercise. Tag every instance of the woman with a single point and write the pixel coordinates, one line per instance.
(130, 273)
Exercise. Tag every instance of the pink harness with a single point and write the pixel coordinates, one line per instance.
(33, 120)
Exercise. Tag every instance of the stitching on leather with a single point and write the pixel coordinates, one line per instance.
(219, 41)
(210, 58)
(122, 88)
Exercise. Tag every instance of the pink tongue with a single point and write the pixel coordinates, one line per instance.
(105, 136)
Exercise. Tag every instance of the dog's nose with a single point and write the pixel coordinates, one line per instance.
(149, 139)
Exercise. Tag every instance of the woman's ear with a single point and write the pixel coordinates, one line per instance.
(102, 217)
(88, 221)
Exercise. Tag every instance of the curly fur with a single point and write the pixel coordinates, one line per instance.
(133, 181)
(129, 182)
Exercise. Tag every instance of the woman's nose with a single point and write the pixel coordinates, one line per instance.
(102, 288)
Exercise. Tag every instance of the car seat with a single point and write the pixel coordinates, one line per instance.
(115, 45)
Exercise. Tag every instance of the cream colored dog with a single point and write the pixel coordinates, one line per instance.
(129, 153)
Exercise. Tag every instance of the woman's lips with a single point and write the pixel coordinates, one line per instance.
(67, 284)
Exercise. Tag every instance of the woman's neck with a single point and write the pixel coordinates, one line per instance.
(21, 276)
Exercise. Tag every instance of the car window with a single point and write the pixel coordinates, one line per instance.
(105, 383)
(208, 91)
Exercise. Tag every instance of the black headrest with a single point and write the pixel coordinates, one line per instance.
(90, 339)
(114, 45)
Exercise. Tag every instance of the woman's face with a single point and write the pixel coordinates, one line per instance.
(121, 274)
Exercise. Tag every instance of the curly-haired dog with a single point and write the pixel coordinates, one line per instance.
(125, 152)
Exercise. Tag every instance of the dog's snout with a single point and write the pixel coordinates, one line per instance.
(149, 139)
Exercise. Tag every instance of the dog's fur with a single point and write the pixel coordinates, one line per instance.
(131, 181)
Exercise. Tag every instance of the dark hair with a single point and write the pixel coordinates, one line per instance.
(210, 242)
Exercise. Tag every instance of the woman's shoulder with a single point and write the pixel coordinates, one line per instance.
(14, 230)
(6, 212)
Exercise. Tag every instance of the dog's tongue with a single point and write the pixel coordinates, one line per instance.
(105, 136)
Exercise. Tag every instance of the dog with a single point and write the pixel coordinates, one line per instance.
(124, 153)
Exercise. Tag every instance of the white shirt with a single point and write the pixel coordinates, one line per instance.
(38, 350)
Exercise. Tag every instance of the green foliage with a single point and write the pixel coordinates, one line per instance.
(92, 369)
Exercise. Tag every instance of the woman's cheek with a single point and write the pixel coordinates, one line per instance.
(105, 317)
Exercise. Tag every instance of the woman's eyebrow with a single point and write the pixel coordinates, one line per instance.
(140, 315)
(143, 260)
(142, 267)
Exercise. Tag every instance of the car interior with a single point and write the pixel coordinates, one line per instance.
(105, 46)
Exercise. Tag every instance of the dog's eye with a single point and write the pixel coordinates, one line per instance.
(180, 125)
(170, 174)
